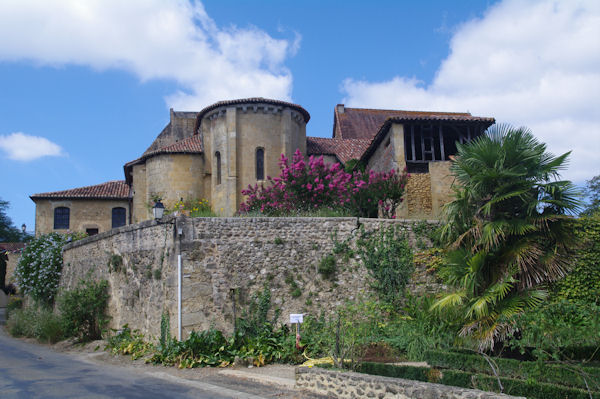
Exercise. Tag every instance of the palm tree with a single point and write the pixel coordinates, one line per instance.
(507, 229)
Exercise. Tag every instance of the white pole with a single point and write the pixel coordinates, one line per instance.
(179, 297)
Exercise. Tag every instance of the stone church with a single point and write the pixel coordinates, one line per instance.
(215, 153)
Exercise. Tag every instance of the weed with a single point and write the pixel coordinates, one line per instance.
(327, 267)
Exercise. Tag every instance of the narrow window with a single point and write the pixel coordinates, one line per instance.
(260, 164)
(118, 217)
(91, 232)
(61, 218)
(218, 158)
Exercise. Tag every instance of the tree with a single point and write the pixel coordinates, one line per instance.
(592, 190)
(508, 230)
(8, 232)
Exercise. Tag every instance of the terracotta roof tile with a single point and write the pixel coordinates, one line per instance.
(116, 189)
(11, 246)
(190, 145)
(364, 123)
(344, 150)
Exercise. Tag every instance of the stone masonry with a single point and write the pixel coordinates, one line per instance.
(348, 385)
(225, 262)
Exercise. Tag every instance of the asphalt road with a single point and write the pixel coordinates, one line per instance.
(34, 371)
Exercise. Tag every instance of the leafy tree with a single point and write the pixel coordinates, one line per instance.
(508, 230)
(8, 232)
(592, 189)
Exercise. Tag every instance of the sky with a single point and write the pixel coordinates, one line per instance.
(85, 86)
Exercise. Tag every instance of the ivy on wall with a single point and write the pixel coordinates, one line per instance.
(583, 282)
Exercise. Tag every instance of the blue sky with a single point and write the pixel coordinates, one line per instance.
(86, 86)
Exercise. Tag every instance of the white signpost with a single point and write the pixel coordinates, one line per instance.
(296, 318)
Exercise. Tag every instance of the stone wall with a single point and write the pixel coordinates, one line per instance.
(11, 266)
(342, 385)
(225, 262)
(84, 214)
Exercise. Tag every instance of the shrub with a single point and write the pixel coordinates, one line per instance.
(583, 282)
(316, 185)
(83, 309)
(36, 322)
(561, 374)
(327, 267)
(387, 255)
(554, 331)
(39, 268)
(193, 208)
(128, 342)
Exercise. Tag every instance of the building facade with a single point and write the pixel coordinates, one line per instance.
(217, 152)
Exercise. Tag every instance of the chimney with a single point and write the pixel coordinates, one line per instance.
(340, 108)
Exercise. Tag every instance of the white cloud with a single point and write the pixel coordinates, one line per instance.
(532, 63)
(23, 147)
(154, 39)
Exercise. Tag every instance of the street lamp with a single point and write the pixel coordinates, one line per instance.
(23, 228)
(158, 210)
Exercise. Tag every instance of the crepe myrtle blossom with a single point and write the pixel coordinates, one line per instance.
(303, 186)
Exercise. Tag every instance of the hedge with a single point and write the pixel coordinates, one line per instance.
(512, 386)
(550, 373)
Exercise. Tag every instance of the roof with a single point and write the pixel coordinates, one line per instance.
(364, 123)
(253, 100)
(11, 246)
(116, 189)
(190, 145)
(344, 150)
(439, 117)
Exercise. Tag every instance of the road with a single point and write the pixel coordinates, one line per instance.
(34, 371)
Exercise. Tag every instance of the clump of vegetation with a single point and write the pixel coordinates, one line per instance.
(388, 257)
(327, 267)
(316, 185)
(157, 274)
(83, 309)
(40, 265)
(115, 263)
(508, 230)
(278, 241)
(193, 208)
(36, 322)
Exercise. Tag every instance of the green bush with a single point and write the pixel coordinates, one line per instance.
(583, 282)
(530, 389)
(128, 342)
(39, 268)
(327, 267)
(559, 331)
(388, 257)
(560, 374)
(83, 309)
(35, 322)
(516, 387)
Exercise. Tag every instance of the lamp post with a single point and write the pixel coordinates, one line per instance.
(158, 210)
(23, 228)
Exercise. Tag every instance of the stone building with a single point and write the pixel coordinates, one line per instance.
(215, 153)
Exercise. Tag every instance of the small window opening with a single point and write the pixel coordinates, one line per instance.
(260, 164)
(118, 217)
(61, 218)
(91, 232)
(218, 158)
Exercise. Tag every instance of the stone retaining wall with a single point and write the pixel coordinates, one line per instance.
(225, 262)
(347, 385)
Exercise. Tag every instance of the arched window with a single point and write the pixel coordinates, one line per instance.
(218, 158)
(260, 163)
(118, 217)
(61, 218)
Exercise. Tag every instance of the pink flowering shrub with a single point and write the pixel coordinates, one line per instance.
(316, 185)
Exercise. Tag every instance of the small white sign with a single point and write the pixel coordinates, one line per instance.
(296, 318)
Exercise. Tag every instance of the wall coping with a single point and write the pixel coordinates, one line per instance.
(239, 219)
(404, 387)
